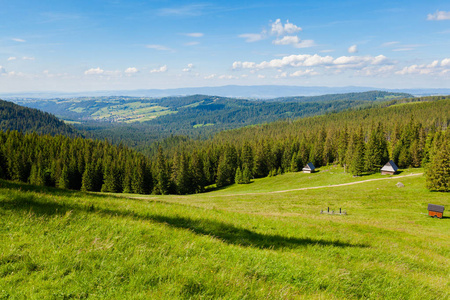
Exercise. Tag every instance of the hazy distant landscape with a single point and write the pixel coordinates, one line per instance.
(235, 91)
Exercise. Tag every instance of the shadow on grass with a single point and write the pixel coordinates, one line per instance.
(225, 232)
(49, 190)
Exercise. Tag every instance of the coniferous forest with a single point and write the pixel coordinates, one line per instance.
(412, 133)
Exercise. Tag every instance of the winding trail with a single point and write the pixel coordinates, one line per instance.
(319, 187)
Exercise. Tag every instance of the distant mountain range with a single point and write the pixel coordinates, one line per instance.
(236, 91)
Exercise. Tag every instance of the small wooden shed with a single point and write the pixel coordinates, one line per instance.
(436, 211)
(309, 168)
(390, 168)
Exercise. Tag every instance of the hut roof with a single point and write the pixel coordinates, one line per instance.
(390, 166)
(309, 166)
(437, 208)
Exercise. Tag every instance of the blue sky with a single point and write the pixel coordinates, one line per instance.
(113, 44)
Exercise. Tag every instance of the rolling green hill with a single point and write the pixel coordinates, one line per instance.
(27, 120)
(140, 121)
(235, 243)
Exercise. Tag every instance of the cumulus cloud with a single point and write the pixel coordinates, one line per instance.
(294, 41)
(131, 70)
(159, 48)
(261, 76)
(360, 61)
(188, 68)
(18, 40)
(352, 49)
(12, 58)
(195, 34)
(303, 73)
(445, 62)
(252, 37)
(210, 76)
(228, 77)
(283, 32)
(27, 58)
(94, 71)
(160, 70)
(281, 75)
(439, 16)
(277, 28)
(307, 60)
(433, 68)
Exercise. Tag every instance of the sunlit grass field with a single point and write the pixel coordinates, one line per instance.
(241, 242)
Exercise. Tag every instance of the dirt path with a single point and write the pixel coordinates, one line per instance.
(319, 187)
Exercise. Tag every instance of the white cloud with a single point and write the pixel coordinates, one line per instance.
(18, 40)
(360, 61)
(160, 70)
(191, 43)
(131, 70)
(287, 61)
(303, 73)
(94, 71)
(210, 76)
(375, 70)
(159, 48)
(445, 62)
(228, 77)
(329, 63)
(277, 28)
(27, 58)
(352, 49)
(426, 69)
(2, 70)
(326, 51)
(294, 41)
(439, 16)
(282, 75)
(190, 10)
(188, 68)
(389, 44)
(195, 34)
(12, 58)
(402, 49)
(261, 76)
(252, 37)
(283, 32)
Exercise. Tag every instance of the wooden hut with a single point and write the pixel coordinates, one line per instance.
(390, 168)
(309, 168)
(436, 211)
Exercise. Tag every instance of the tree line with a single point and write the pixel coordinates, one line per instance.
(414, 135)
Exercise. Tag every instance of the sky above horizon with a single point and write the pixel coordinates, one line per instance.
(79, 45)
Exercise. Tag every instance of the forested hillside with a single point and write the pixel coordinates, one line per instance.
(368, 96)
(412, 133)
(137, 122)
(16, 117)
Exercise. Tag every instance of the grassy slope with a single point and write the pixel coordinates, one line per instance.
(61, 244)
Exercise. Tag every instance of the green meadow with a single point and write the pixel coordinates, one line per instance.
(264, 240)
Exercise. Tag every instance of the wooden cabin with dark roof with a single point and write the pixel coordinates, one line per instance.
(390, 168)
(309, 168)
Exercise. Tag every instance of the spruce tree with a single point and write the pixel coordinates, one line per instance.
(88, 180)
(246, 175)
(162, 174)
(238, 177)
(438, 170)
(357, 161)
(63, 181)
